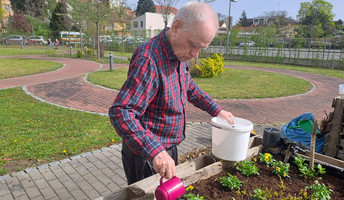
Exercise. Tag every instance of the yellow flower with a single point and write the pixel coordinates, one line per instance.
(238, 192)
(284, 174)
(190, 188)
(27, 120)
(71, 137)
(267, 154)
(64, 151)
(30, 139)
(277, 168)
(112, 140)
(70, 109)
(15, 140)
(255, 159)
(315, 182)
(266, 159)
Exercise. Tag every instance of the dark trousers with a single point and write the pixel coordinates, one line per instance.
(137, 168)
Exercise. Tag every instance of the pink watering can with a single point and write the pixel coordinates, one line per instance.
(170, 190)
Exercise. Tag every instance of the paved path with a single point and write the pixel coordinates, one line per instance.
(94, 174)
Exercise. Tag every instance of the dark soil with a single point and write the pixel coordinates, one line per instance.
(212, 189)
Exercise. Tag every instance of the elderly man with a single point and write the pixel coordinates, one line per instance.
(149, 111)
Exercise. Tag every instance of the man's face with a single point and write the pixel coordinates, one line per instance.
(188, 42)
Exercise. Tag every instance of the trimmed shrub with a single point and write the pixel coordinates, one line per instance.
(211, 67)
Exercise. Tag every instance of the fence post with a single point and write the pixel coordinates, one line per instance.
(6, 44)
(71, 50)
(111, 61)
(22, 45)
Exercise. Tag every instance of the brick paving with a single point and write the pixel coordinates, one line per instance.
(98, 173)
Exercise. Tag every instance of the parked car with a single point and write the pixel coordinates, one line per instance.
(36, 40)
(105, 39)
(13, 39)
(248, 43)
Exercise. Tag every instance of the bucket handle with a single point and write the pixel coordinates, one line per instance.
(216, 126)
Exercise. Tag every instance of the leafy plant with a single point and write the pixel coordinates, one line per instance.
(247, 168)
(320, 191)
(211, 67)
(192, 196)
(79, 53)
(258, 194)
(281, 169)
(305, 169)
(231, 182)
(266, 158)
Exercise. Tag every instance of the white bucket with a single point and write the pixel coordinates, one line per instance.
(230, 142)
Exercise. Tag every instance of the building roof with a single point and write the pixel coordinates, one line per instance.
(161, 8)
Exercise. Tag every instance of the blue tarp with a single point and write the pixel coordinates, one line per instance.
(294, 132)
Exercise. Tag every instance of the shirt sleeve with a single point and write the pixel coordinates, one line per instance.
(131, 102)
(201, 99)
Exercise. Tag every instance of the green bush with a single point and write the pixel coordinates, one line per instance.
(88, 52)
(211, 67)
(79, 53)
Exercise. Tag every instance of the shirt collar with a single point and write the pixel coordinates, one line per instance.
(168, 46)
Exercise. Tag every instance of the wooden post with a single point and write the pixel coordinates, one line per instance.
(312, 149)
(335, 128)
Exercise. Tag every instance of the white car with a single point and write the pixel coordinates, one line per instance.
(248, 43)
(36, 40)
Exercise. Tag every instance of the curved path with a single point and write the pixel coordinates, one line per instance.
(67, 87)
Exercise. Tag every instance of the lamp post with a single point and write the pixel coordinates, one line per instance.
(229, 22)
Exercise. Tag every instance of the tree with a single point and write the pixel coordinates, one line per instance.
(2, 13)
(166, 7)
(316, 16)
(18, 6)
(243, 19)
(19, 23)
(144, 6)
(97, 12)
(278, 19)
(57, 20)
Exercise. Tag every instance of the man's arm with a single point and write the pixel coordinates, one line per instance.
(205, 102)
(131, 102)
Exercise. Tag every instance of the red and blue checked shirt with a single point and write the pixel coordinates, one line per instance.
(149, 111)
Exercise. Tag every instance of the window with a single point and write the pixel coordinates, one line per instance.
(136, 24)
(141, 24)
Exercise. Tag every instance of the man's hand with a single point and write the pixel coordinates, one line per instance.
(164, 165)
(227, 116)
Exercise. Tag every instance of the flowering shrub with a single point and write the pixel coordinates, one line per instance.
(247, 168)
(211, 67)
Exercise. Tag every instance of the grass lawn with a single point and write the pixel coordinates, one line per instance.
(34, 133)
(234, 83)
(314, 70)
(26, 51)
(15, 67)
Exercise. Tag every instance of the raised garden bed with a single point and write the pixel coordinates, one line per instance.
(201, 173)
(278, 187)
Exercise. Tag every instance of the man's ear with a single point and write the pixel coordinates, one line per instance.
(176, 26)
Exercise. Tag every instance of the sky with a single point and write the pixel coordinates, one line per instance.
(255, 8)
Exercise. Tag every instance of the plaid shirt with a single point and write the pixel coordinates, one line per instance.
(149, 111)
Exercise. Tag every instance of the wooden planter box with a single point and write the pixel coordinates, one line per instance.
(199, 168)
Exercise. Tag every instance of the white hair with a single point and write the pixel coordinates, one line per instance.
(195, 12)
